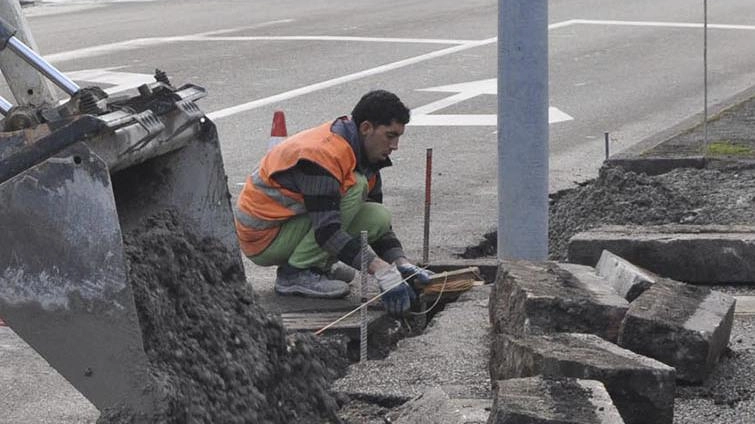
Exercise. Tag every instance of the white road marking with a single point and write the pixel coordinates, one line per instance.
(138, 43)
(662, 24)
(326, 38)
(422, 116)
(223, 113)
(555, 114)
(121, 81)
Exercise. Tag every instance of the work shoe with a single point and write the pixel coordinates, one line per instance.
(341, 271)
(306, 282)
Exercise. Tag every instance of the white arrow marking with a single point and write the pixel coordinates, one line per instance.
(120, 81)
(421, 116)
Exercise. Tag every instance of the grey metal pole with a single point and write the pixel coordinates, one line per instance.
(705, 75)
(523, 129)
(41, 65)
(28, 87)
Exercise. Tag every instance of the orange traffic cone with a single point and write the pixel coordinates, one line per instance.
(279, 132)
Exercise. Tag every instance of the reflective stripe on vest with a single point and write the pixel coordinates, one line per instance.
(264, 204)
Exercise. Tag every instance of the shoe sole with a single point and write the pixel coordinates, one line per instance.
(303, 291)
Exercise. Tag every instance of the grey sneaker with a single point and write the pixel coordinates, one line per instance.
(310, 284)
(341, 271)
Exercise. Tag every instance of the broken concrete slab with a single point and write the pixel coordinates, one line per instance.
(628, 279)
(538, 400)
(436, 407)
(691, 253)
(538, 298)
(684, 326)
(452, 353)
(642, 388)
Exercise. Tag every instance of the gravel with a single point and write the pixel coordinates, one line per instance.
(215, 355)
(619, 197)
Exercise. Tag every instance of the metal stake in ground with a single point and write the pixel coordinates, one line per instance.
(363, 289)
(608, 152)
(428, 186)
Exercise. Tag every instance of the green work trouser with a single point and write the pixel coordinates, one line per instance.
(295, 243)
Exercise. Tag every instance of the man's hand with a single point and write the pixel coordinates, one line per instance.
(415, 273)
(399, 298)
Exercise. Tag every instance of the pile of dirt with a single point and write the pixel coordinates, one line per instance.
(620, 197)
(215, 355)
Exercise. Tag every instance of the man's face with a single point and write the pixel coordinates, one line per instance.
(380, 141)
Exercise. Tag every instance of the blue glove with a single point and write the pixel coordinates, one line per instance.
(415, 273)
(399, 298)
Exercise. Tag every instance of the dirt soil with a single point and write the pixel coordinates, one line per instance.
(619, 197)
(215, 355)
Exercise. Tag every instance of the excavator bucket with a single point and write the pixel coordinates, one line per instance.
(70, 187)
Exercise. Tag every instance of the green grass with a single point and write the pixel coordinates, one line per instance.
(727, 148)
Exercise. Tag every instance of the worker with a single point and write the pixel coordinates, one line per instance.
(311, 196)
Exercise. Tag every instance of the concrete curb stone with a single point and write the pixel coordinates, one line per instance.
(626, 278)
(642, 388)
(538, 298)
(681, 325)
(538, 400)
(707, 254)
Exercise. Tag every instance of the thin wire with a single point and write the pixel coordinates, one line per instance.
(442, 288)
(365, 304)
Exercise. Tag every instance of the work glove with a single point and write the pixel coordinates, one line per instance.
(399, 298)
(415, 273)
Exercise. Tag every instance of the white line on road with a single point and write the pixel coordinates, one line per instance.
(327, 38)
(138, 43)
(662, 24)
(344, 79)
(555, 115)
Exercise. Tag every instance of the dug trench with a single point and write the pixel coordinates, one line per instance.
(215, 355)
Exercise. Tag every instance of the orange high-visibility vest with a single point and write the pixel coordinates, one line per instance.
(264, 205)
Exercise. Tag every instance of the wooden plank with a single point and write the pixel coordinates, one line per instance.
(313, 321)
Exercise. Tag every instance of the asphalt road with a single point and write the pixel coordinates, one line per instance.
(630, 68)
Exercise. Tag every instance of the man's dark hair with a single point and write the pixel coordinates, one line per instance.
(381, 108)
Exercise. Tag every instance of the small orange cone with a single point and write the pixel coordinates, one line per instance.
(279, 132)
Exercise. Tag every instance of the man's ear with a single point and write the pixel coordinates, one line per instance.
(365, 127)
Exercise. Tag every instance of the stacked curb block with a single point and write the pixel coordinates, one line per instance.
(707, 254)
(553, 321)
(545, 401)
